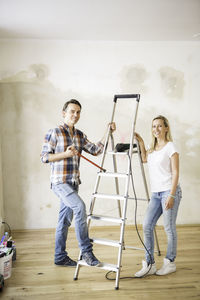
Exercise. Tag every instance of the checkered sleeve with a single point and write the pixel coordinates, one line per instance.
(92, 148)
(49, 145)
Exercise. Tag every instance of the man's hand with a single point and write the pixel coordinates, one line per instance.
(112, 126)
(71, 151)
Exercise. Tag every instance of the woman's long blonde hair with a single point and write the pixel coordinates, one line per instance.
(168, 135)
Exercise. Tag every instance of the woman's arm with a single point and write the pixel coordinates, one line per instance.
(175, 176)
(142, 147)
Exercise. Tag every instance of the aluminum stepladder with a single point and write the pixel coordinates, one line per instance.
(121, 220)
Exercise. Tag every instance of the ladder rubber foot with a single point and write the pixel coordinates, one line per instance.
(75, 278)
(116, 288)
(159, 253)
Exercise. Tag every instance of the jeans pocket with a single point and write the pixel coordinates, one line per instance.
(62, 189)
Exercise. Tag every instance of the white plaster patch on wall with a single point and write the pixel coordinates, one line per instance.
(192, 130)
(31, 105)
(191, 153)
(193, 141)
(32, 90)
(36, 72)
(133, 78)
(186, 139)
(29, 102)
(172, 82)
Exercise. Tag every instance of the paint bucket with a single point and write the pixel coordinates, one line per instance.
(6, 265)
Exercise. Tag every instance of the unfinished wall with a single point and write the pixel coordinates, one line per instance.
(37, 77)
(1, 194)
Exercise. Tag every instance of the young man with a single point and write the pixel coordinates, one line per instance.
(61, 148)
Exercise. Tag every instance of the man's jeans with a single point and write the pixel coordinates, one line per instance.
(70, 204)
(155, 208)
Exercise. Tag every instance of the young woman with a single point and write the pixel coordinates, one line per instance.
(163, 165)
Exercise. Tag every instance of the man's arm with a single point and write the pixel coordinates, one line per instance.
(112, 128)
(48, 150)
(96, 149)
(71, 151)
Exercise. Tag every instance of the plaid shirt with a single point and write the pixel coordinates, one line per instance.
(57, 140)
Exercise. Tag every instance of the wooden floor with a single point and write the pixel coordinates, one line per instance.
(34, 275)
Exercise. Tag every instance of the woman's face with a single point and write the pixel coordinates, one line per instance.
(158, 129)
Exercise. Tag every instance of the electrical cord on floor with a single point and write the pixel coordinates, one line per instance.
(9, 229)
(136, 227)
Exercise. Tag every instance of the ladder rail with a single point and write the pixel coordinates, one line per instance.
(116, 179)
(147, 192)
(92, 203)
(126, 199)
(91, 208)
(108, 135)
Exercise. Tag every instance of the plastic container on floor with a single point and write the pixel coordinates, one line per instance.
(6, 265)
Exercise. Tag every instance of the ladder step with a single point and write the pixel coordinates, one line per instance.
(106, 218)
(109, 174)
(105, 242)
(121, 153)
(104, 266)
(118, 197)
(116, 153)
(140, 199)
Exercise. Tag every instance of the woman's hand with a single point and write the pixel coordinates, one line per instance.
(169, 203)
(139, 138)
(142, 147)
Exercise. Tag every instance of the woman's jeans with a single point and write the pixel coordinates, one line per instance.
(70, 204)
(155, 209)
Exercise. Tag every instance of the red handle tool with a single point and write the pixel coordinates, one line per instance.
(104, 170)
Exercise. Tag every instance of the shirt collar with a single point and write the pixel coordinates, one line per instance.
(67, 128)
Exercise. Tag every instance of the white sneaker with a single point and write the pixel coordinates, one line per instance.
(146, 270)
(168, 267)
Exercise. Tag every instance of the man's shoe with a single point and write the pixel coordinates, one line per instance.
(67, 262)
(146, 269)
(90, 259)
(167, 268)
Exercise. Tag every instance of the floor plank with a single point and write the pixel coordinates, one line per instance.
(34, 275)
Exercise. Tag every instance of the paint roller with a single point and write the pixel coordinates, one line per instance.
(80, 155)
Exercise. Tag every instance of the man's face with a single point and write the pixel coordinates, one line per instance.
(72, 114)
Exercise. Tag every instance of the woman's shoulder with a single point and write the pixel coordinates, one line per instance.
(170, 144)
(171, 147)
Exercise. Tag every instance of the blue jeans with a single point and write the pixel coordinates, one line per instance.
(155, 209)
(70, 204)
